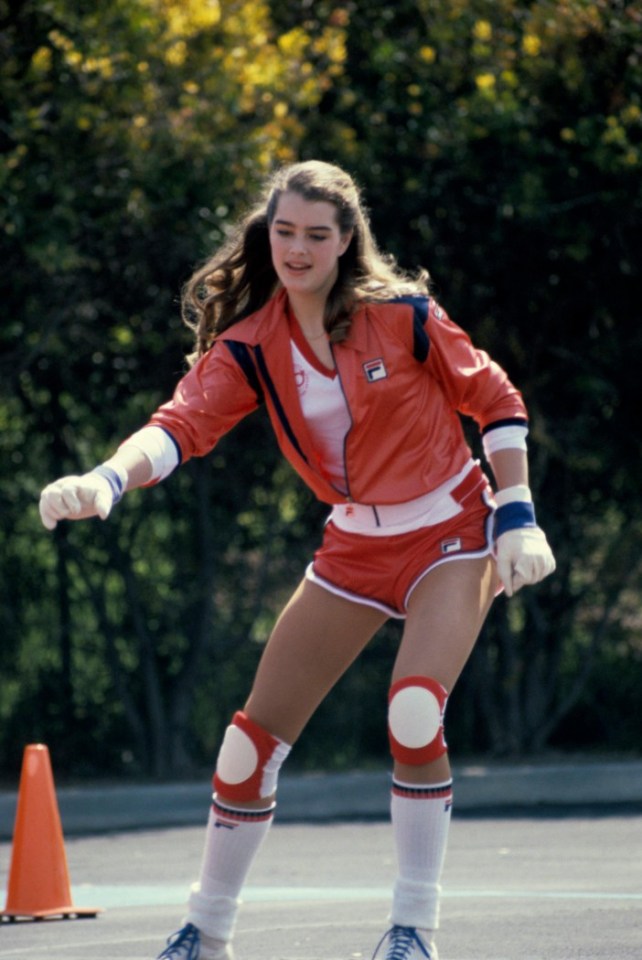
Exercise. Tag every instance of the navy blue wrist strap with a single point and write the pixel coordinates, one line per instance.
(112, 479)
(514, 516)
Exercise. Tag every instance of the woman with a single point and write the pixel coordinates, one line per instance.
(364, 378)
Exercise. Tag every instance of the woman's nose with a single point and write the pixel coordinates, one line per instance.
(297, 243)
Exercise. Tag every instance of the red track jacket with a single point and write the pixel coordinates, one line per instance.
(406, 371)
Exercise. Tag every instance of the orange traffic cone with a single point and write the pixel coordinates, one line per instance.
(38, 877)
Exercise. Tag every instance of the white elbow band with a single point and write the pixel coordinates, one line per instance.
(159, 449)
(509, 437)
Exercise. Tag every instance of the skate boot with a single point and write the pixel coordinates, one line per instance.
(406, 943)
(190, 944)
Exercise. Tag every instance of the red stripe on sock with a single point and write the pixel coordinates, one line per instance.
(442, 792)
(232, 816)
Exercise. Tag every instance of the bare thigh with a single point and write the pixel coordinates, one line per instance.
(445, 614)
(314, 641)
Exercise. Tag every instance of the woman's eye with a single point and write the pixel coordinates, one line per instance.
(317, 237)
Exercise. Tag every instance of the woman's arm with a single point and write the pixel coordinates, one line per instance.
(521, 549)
(94, 494)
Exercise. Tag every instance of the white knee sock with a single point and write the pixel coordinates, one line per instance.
(232, 840)
(420, 820)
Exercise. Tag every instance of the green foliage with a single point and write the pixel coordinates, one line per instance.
(131, 135)
(499, 145)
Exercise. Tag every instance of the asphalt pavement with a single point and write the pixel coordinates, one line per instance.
(524, 887)
(544, 863)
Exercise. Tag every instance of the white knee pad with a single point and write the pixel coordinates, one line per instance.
(249, 761)
(416, 707)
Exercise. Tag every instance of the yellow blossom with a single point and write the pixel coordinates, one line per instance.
(531, 45)
(428, 54)
(293, 43)
(485, 81)
(59, 40)
(176, 54)
(41, 60)
(482, 31)
(510, 78)
(73, 58)
(188, 17)
(631, 113)
(100, 65)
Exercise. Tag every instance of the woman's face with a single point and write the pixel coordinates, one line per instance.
(306, 244)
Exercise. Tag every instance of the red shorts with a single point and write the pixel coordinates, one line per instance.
(382, 571)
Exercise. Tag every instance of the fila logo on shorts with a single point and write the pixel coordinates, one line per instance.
(451, 546)
(375, 370)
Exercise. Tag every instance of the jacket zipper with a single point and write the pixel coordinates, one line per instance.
(348, 495)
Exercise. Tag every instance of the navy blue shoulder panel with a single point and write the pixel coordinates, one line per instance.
(276, 400)
(241, 353)
(421, 340)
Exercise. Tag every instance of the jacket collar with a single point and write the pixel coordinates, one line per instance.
(260, 327)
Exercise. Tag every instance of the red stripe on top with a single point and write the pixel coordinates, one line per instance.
(304, 347)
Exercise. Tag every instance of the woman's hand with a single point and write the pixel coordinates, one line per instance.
(524, 557)
(75, 498)
(521, 549)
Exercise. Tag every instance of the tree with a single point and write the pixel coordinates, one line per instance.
(500, 145)
(131, 136)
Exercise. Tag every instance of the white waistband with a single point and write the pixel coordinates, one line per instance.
(387, 520)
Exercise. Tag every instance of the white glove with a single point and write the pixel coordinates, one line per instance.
(521, 550)
(73, 498)
(523, 558)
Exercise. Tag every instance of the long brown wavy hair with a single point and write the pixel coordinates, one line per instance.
(240, 278)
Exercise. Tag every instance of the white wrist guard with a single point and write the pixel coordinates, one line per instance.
(514, 509)
(116, 477)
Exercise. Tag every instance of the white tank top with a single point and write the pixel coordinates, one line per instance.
(324, 408)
